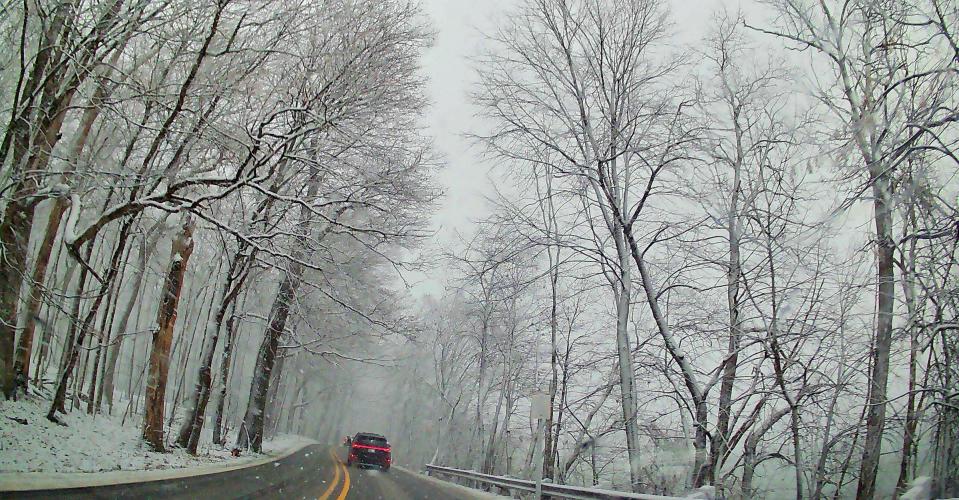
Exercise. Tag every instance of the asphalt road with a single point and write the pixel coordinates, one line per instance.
(316, 472)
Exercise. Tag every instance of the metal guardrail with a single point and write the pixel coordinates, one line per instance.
(552, 490)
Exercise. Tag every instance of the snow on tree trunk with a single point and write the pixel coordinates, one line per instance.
(226, 359)
(159, 364)
(189, 436)
(25, 345)
(882, 342)
(251, 432)
(17, 221)
(691, 381)
(625, 358)
(60, 205)
(14, 236)
(67, 356)
(72, 349)
(750, 459)
(56, 72)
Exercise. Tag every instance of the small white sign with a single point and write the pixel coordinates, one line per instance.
(538, 405)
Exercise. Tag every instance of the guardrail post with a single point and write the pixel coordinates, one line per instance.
(538, 407)
(538, 461)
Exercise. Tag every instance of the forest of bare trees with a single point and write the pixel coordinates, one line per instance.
(731, 264)
(182, 179)
(756, 233)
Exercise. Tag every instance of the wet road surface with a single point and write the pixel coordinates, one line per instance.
(315, 472)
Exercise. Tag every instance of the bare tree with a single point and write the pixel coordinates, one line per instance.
(874, 62)
(577, 79)
(163, 337)
(72, 42)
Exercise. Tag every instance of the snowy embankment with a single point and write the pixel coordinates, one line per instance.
(92, 451)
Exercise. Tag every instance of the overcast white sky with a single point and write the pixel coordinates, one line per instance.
(460, 25)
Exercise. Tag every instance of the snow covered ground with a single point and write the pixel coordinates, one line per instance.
(40, 450)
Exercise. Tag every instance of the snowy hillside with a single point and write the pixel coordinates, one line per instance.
(95, 444)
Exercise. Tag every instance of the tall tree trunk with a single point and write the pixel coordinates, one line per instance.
(104, 337)
(490, 452)
(73, 349)
(563, 402)
(696, 391)
(163, 338)
(33, 133)
(549, 444)
(251, 433)
(133, 379)
(225, 363)
(184, 347)
(625, 362)
(749, 450)
(192, 426)
(297, 400)
(52, 317)
(482, 393)
(503, 448)
(122, 326)
(606, 187)
(60, 205)
(74, 323)
(910, 426)
(794, 427)
(35, 297)
(882, 341)
(830, 414)
(946, 461)
(97, 361)
(548, 213)
(14, 240)
(720, 442)
(82, 372)
(34, 129)
(274, 394)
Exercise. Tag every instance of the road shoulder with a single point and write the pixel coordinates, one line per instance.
(455, 490)
(30, 481)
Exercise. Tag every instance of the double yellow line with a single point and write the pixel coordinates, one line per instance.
(338, 470)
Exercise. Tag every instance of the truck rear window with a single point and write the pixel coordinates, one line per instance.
(372, 441)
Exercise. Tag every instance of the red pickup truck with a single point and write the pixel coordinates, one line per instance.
(369, 450)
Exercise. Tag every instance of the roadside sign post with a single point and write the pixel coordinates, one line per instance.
(538, 408)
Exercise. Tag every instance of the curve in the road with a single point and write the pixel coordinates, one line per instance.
(336, 480)
(313, 472)
(338, 467)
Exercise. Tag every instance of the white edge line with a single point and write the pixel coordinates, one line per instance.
(68, 480)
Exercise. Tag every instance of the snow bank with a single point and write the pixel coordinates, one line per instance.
(285, 444)
(86, 444)
(93, 451)
(920, 489)
(703, 493)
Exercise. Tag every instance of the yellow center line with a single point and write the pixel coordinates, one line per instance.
(346, 482)
(336, 478)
